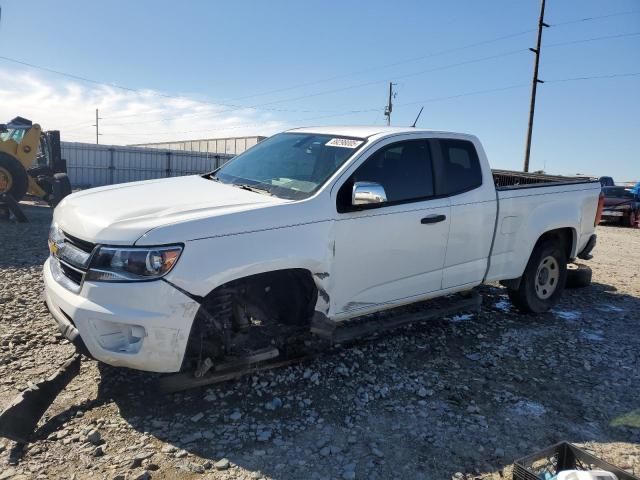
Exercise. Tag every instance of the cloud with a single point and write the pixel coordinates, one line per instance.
(127, 117)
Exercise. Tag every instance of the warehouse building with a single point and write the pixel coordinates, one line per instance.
(219, 146)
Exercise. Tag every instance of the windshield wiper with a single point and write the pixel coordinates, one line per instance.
(251, 188)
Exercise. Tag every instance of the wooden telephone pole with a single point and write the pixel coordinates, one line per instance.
(534, 85)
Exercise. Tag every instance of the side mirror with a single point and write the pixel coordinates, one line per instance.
(367, 193)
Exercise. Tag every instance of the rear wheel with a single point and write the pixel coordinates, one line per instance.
(543, 279)
(14, 179)
(632, 219)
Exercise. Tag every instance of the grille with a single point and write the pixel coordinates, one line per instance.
(71, 273)
(74, 273)
(81, 244)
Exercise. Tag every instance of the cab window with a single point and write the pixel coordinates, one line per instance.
(404, 169)
(461, 170)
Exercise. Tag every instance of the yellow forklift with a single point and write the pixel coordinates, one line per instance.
(31, 162)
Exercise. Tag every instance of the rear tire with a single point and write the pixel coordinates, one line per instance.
(578, 276)
(14, 179)
(543, 280)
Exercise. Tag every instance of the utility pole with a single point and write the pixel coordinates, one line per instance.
(97, 125)
(389, 108)
(534, 84)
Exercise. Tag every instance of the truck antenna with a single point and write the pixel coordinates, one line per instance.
(416, 120)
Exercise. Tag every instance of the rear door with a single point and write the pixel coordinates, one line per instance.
(459, 176)
(393, 253)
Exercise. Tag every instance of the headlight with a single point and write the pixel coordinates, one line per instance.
(111, 264)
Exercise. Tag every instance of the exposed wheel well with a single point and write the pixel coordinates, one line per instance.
(564, 235)
(280, 302)
(290, 294)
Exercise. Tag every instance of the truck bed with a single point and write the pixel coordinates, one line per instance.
(511, 180)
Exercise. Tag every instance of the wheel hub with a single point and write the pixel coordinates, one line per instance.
(543, 276)
(6, 180)
(547, 277)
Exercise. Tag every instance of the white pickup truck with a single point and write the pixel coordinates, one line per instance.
(326, 223)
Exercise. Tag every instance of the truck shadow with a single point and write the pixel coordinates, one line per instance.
(470, 393)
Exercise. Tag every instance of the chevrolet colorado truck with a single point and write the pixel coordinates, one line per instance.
(327, 223)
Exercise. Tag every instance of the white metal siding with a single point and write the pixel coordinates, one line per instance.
(90, 165)
(228, 146)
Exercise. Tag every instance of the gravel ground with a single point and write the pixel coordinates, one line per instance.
(461, 397)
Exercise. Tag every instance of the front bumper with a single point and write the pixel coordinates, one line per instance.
(613, 213)
(140, 325)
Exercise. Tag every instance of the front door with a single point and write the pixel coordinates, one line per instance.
(393, 253)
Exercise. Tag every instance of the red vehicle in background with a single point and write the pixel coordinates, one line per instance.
(622, 205)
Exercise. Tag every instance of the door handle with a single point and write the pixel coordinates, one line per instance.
(433, 219)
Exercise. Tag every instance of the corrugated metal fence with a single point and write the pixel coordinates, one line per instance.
(230, 146)
(90, 165)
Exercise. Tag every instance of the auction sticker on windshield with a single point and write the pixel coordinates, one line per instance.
(344, 143)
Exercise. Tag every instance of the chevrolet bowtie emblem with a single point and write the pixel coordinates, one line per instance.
(53, 248)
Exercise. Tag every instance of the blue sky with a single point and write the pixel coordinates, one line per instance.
(328, 59)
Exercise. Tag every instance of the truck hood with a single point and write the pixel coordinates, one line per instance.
(121, 214)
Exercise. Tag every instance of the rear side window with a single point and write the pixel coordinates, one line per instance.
(461, 168)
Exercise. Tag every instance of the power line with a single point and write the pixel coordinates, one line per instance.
(590, 19)
(381, 81)
(265, 106)
(427, 100)
(594, 77)
(134, 90)
(233, 107)
(335, 90)
(343, 114)
(231, 127)
(407, 75)
(413, 59)
(593, 39)
(340, 89)
(400, 62)
(460, 95)
(444, 67)
(536, 80)
(393, 64)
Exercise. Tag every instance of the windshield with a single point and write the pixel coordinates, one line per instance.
(618, 192)
(13, 134)
(289, 165)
